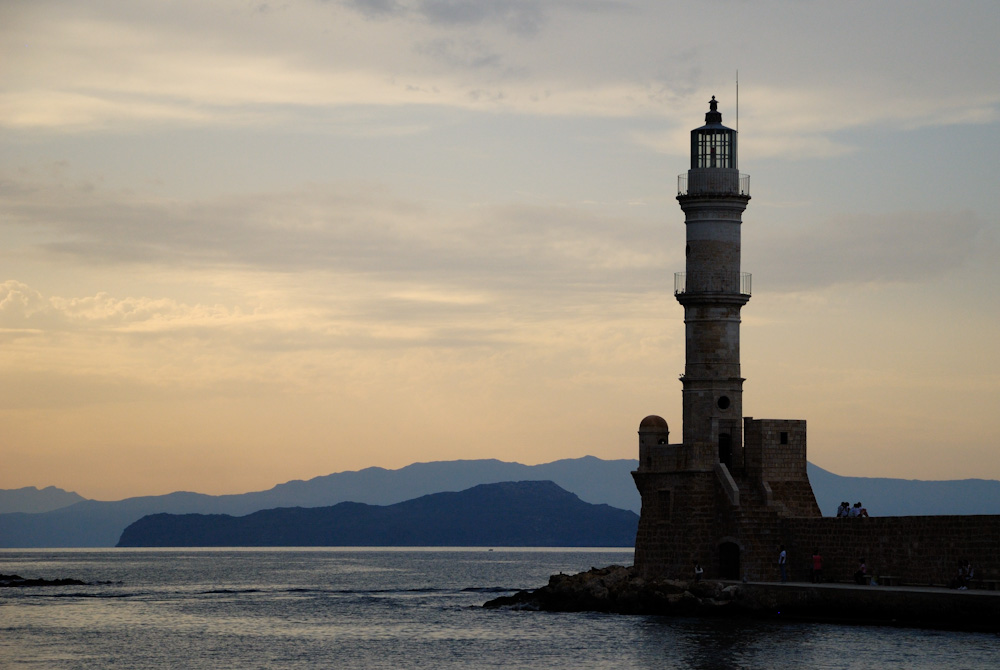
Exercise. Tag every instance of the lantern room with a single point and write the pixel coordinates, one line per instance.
(713, 145)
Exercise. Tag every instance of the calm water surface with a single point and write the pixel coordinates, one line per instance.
(342, 608)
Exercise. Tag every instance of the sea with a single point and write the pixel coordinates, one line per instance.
(396, 608)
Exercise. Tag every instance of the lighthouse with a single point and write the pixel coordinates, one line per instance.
(720, 498)
(712, 289)
(735, 491)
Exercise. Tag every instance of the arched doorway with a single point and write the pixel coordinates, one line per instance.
(729, 560)
(726, 450)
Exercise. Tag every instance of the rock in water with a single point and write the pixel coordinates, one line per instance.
(17, 580)
(620, 590)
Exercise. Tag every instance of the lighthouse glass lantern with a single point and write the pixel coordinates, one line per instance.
(713, 145)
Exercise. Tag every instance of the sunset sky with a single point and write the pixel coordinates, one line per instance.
(248, 242)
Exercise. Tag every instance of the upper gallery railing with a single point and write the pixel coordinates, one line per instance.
(713, 182)
(712, 282)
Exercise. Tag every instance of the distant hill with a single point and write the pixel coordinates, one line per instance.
(92, 523)
(513, 514)
(905, 497)
(593, 479)
(34, 500)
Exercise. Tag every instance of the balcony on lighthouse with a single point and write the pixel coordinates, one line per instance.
(738, 283)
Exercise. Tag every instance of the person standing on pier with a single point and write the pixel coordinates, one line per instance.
(817, 567)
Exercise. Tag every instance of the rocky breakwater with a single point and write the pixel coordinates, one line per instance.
(19, 581)
(620, 590)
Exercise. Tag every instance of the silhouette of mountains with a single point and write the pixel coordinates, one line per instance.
(33, 499)
(92, 523)
(884, 496)
(514, 514)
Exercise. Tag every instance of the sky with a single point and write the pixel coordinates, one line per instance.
(251, 242)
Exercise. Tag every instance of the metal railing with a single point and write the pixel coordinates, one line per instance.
(712, 282)
(713, 182)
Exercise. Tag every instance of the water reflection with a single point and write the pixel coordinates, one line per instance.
(361, 610)
(725, 644)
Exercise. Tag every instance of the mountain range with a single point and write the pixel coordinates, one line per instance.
(510, 514)
(54, 518)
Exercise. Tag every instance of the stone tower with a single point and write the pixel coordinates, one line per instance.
(712, 290)
(720, 496)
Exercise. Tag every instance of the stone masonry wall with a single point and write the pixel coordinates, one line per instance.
(768, 457)
(918, 550)
(677, 457)
(677, 524)
(776, 456)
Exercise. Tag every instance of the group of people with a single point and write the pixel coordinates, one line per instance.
(965, 575)
(845, 510)
(816, 567)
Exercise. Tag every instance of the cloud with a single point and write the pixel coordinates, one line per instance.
(312, 289)
(84, 68)
(470, 54)
(345, 229)
(406, 256)
(899, 247)
(25, 311)
(376, 8)
(523, 17)
(813, 122)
